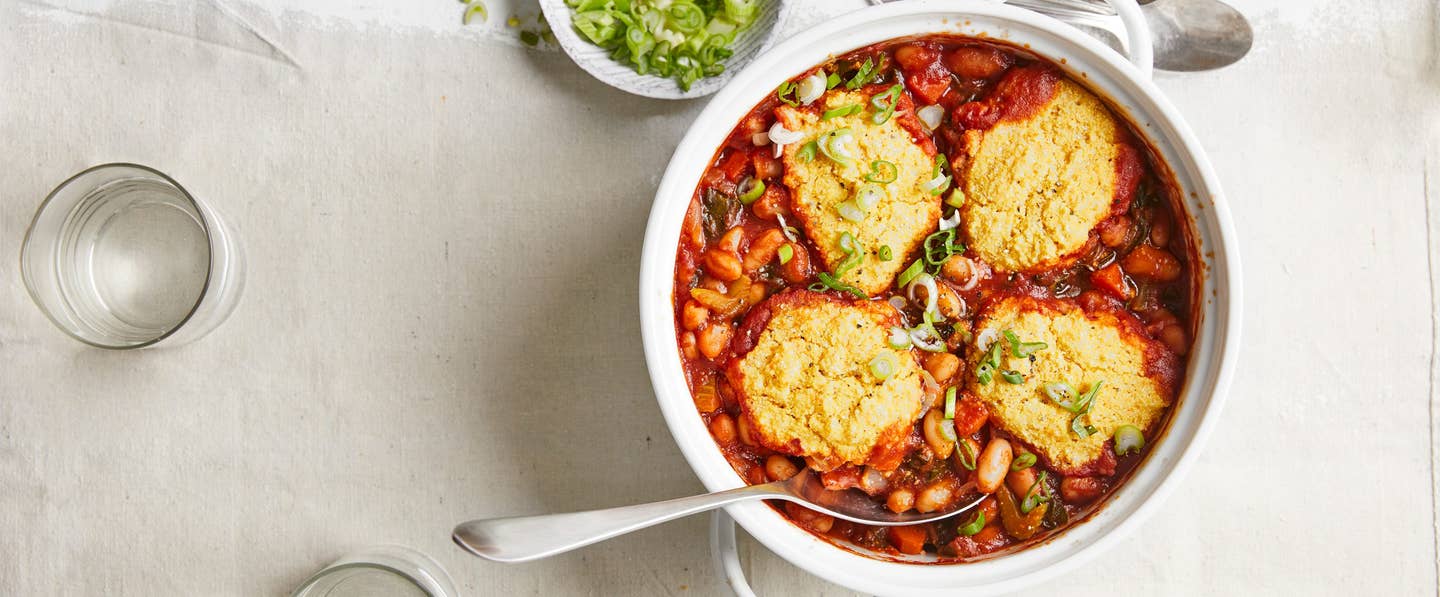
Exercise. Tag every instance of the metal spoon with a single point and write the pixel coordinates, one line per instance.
(526, 538)
(1189, 35)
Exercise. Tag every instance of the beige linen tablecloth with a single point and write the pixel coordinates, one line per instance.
(443, 229)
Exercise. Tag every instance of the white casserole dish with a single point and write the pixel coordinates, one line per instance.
(1211, 360)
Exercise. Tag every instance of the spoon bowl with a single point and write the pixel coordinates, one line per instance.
(526, 538)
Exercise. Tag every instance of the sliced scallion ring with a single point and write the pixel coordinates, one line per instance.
(834, 146)
(850, 211)
(956, 199)
(476, 7)
(785, 93)
(786, 254)
(926, 338)
(885, 102)
(910, 273)
(972, 528)
(1062, 393)
(846, 242)
(1022, 462)
(806, 153)
(862, 75)
(883, 172)
(780, 135)
(810, 88)
(899, 339)
(1128, 439)
(868, 196)
(950, 221)
(842, 111)
(832, 80)
(949, 403)
(885, 253)
(884, 365)
(1013, 377)
(750, 189)
(833, 283)
(965, 455)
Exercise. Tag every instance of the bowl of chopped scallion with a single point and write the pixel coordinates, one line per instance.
(668, 49)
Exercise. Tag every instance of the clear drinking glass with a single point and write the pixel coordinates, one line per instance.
(122, 256)
(382, 571)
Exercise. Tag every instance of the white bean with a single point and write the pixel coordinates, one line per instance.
(994, 462)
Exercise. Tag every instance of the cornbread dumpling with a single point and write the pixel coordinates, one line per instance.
(1137, 377)
(905, 212)
(1054, 164)
(803, 376)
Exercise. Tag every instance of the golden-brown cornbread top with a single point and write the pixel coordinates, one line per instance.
(807, 387)
(1040, 179)
(905, 214)
(1085, 347)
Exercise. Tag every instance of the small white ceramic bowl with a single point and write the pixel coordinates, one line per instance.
(749, 43)
(1211, 361)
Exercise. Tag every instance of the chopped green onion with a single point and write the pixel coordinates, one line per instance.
(899, 338)
(1128, 439)
(850, 211)
(1023, 462)
(992, 356)
(1023, 349)
(529, 38)
(862, 75)
(787, 89)
(476, 7)
(938, 181)
(837, 153)
(512, 22)
(869, 195)
(833, 283)
(1062, 394)
(686, 17)
(1012, 376)
(886, 254)
(1081, 408)
(950, 403)
(1034, 497)
(965, 455)
(750, 190)
(947, 431)
(956, 199)
(940, 246)
(910, 274)
(832, 80)
(884, 365)
(884, 103)
(973, 527)
(806, 153)
(786, 253)
(846, 243)
(883, 172)
(985, 371)
(842, 111)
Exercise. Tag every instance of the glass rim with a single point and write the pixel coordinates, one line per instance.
(205, 226)
(333, 568)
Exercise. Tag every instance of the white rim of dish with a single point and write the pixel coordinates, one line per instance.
(1212, 360)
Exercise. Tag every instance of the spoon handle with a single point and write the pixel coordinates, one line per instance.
(525, 538)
